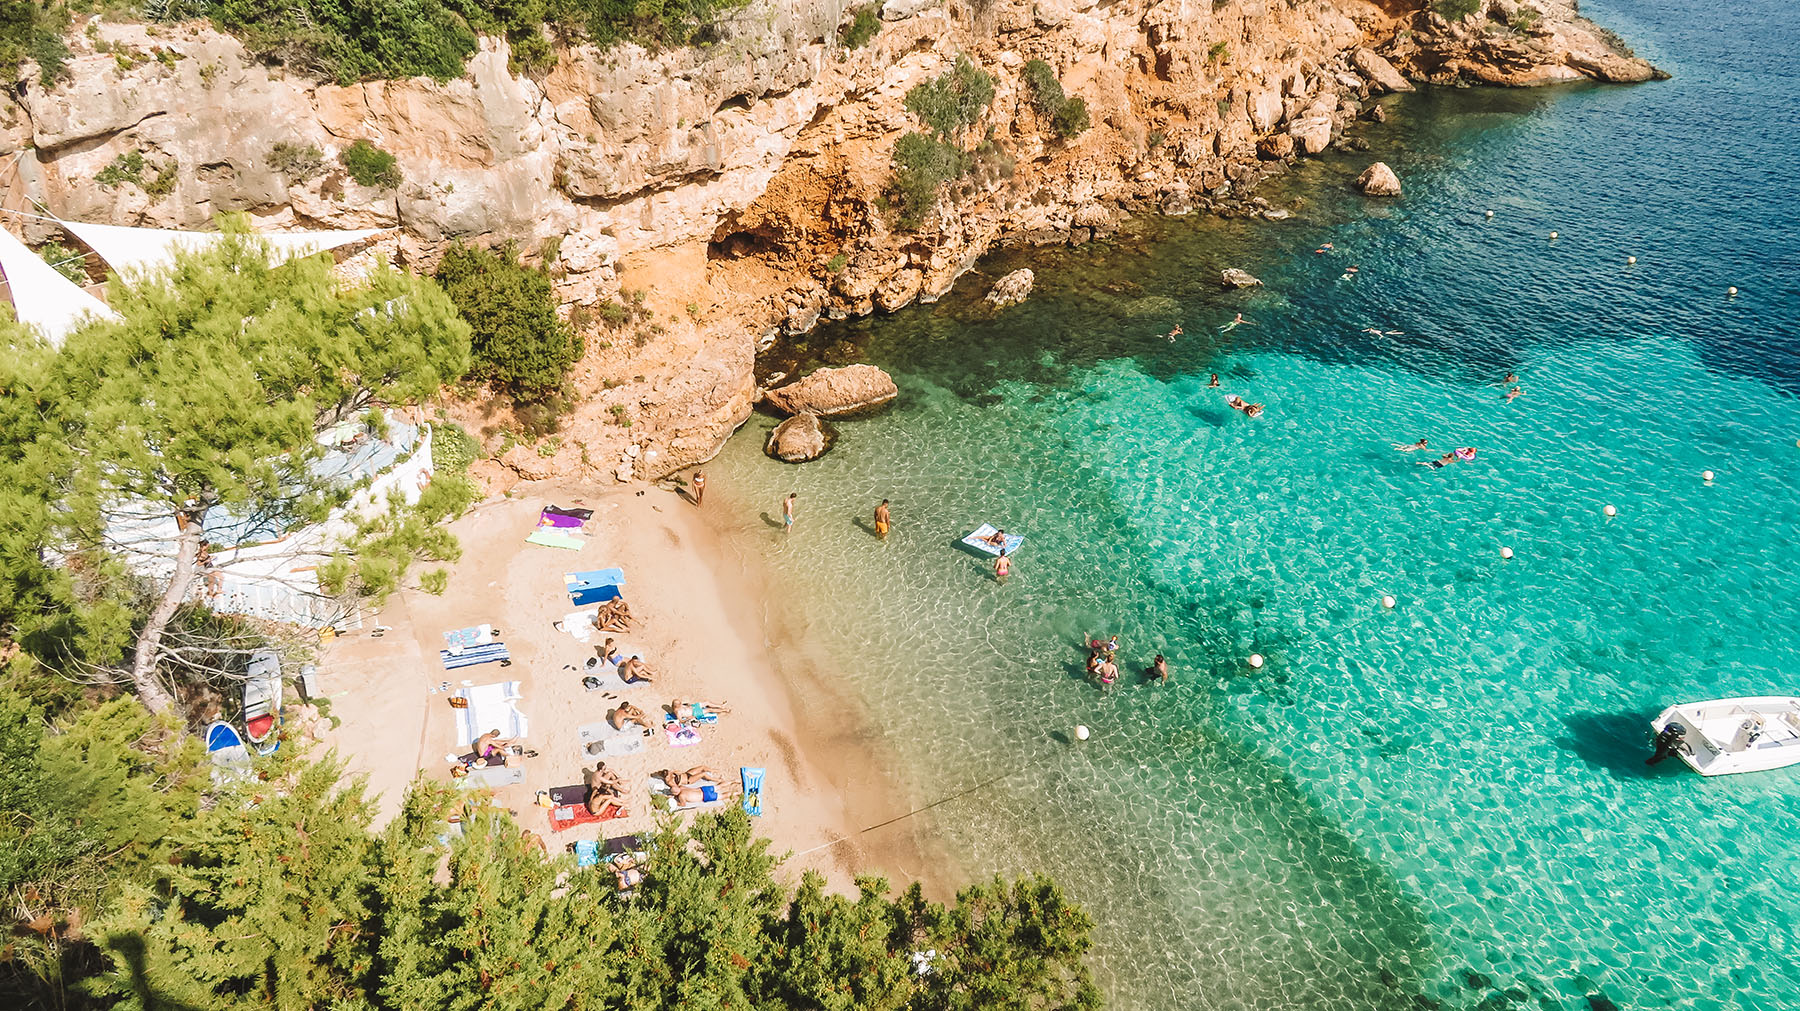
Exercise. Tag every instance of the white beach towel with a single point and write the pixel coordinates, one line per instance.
(612, 742)
(579, 624)
(490, 708)
(608, 674)
(494, 776)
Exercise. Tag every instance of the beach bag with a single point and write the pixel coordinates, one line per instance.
(459, 703)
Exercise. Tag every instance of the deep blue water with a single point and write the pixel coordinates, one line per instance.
(1445, 801)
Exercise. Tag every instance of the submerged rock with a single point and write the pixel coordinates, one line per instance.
(800, 438)
(1231, 277)
(835, 393)
(1011, 289)
(1379, 181)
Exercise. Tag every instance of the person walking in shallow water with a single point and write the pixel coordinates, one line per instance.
(787, 511)
(1002, 567)
(882, 520)
(699, 487)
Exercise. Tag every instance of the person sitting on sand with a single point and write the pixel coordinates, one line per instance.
(682, 709)
(605, 782)
(693, 777)
(491, 745)
(608, 653)
(628, 713)
(1158, 669)
(997, 539)
(634, 671)
(1410, 447)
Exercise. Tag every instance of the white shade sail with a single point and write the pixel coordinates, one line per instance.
(128, 250)
(43, 298)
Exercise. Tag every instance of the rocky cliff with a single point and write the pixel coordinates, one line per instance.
(695, 204)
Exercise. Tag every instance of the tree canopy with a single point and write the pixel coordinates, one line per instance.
(518, 342)
(207, 394)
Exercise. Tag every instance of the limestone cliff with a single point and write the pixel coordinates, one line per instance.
(740, 185)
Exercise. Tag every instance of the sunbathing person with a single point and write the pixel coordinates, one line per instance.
(627, 871)
(997, 539)
(608, 653)
(606, 782)
(682, 709)
(602, 806)
(628, 713)
(634, 671)
(491, 745)
(690, 795)
(693, 777)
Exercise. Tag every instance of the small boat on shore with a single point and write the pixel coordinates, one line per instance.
(1723, 736)
(262, 701)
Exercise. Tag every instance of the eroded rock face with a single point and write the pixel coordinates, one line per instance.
(835, 393)
(1378, 181)
(1011, 289)
(800, 438)
(1232, 277)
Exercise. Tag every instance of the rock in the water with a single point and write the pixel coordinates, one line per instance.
(1379, 181)
(800, 438)
(1011, 289)
(1376, 114)
(1379, 71)
(1311, 133)
(835, 393)
(1231, 277)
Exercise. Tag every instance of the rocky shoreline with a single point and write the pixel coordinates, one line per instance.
(696, 206)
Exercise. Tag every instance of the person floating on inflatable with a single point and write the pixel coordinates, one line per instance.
(1463, 455)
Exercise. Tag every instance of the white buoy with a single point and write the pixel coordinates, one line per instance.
(1387, 601)
(1631, 259)
(1490, 214)
(1731, 291)
(1707, 476)
(1505, 552)
(1081, 732)
(1256, 660)
(1611, 510)
(1553, 235)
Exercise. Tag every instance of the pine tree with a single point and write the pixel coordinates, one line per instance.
(836, 955)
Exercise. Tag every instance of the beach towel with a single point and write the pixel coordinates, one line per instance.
(566, 816)
(474, 656)
(580, 514)
(753, 783)
(681, 735)
(490, 708)
(595, 587)
(610, 742)
(462, 639)
(566, 795)
(550, 538)
(559, 520)
(608, 674)
(493, 776)
(587, 852)
(594, 595)
(708, 792)
(578, 625)
(974, 540)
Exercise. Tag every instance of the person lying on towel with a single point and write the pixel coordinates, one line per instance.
(688, 796)
(682, 709)
(602, 806)
(693, 777)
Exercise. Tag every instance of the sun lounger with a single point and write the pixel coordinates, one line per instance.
(490, 708)
(611, 743)
(474, 656)
(660, 789)
(553, 538)
(753, 785)
(567, 816)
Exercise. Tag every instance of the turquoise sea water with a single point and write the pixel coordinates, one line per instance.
(1441, 805)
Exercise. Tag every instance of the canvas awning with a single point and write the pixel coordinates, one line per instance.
(41, 297)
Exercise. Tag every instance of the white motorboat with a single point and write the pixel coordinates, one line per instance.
(1723, 736)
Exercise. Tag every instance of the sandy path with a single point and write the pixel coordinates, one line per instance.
(700, 626)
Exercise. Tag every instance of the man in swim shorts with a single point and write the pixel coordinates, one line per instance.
(882, 520)
(699, 487)
(787, 511)
(1159, 669)
(628, 713)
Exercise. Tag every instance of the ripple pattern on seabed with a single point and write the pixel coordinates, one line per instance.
(1444, 801)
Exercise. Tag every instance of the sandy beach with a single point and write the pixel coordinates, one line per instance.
(701, 624)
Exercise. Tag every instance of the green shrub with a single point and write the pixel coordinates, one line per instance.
(922, 164)
(1046, 91)
(1455, 10)
(1071, 119)
(452, 448)
(371, 166)
(33, 30)
(63, 260)
(516, 340)
(837, 263)
(621, 415)
(1219, 52)
(862, 28)
(300, 163)
(124, 168)
(954, 100)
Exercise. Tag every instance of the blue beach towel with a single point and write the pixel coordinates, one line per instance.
(587, 853)
(475, 655)
(753, 783)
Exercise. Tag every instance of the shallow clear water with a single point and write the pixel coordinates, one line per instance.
(1446, 801)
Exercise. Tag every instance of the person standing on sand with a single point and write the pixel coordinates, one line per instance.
(1002, 567)
(699, 487)
(787, 511)
(882, 520)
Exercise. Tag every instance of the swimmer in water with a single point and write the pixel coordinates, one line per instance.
(1239, 403)
(1441, 462)
(1234, 324)
(1213, 383)
(1174, 333)
(1370, 329)
(1517, 391)
(1510, 379)
(1410, 447)
(1323, 249)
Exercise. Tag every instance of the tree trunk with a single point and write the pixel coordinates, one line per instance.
(143, 664)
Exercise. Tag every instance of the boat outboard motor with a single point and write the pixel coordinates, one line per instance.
(1669, 741)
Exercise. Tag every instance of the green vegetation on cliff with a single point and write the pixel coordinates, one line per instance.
(33, 30)
(1067, 116)
(517, 341)
(923, 162)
